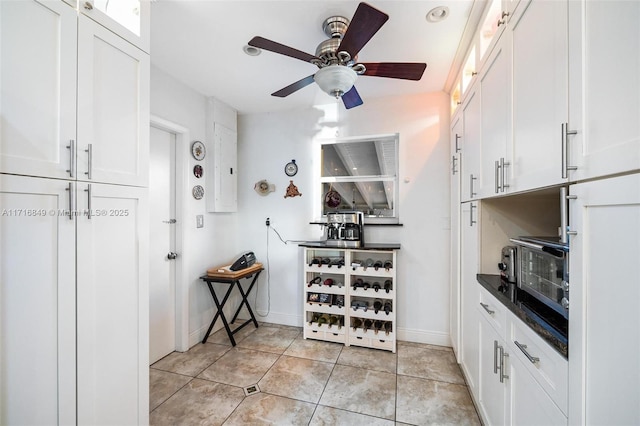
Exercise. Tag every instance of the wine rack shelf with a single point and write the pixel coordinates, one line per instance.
(350, 296)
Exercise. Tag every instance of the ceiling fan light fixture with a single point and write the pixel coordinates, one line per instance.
(335, 80)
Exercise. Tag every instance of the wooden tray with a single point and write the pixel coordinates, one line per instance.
(225, 272)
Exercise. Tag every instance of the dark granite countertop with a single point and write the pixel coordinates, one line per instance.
(367, 246)
(496, 287)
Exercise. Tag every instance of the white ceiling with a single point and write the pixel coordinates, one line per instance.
(200, 43)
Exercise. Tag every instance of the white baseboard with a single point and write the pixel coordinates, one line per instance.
(407, 335)
(421, 336)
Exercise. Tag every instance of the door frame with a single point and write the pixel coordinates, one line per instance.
(181, 278)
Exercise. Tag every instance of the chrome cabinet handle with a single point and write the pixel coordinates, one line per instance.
(523, 348)
(486, 308)
(88, 5)
(503, 165)
(453, 164)
(471, 179)
(503, 355)
(71, 198)
(457, 139)
(495, 356)
(72, 157)
(565, 133)
(471, 221)
(497, 176)
(88, 191)
(89, 152)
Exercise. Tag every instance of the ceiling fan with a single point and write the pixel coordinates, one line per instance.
(336, 57)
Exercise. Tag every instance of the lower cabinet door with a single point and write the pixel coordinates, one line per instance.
(37, 302)
(529, 404)
(112, 313)
(492, 389)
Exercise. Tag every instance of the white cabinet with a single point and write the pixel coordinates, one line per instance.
(112, 305)
(75, 107)
(454, 293)
(495, 120)
(38, 87)
(469, 333)
(130, 19)
(113, 108)
(604, 326)
(493, 375)
(529, 405)
(37, 294)
(77, 104)
(78, 281)
(350, 297)
(605, 89)
(470, 143)
(540, 92)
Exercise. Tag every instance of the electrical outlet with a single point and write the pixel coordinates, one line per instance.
(199, 221)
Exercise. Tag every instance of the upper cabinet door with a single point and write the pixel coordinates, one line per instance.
(37, 88)
(605, 95)
(540, 92)
(127, 18)
(113, 107)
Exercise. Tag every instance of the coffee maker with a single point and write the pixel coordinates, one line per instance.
(345, 229)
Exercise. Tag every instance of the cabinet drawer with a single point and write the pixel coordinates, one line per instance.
(380, 341)
(331, 335)
(493, 311)
(546, 366)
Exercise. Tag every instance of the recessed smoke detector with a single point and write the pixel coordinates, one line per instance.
(438, 14)
(251, 51)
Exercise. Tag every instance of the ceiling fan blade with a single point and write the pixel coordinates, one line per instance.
(365, 23)
(351, 98)
(286, 91)
(273, 46)
(403, 70)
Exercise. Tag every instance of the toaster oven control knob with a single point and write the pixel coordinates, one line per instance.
(565, 303)
(502, 266)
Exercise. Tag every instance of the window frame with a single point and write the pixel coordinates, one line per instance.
(319, 180)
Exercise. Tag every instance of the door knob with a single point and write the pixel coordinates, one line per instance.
(172, 255)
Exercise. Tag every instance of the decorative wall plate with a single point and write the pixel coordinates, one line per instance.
(198, 151)
(263, 187)
(198, 171)
(291, 168)
(198, 192)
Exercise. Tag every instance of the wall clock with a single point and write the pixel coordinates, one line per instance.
(291, 168)
(197, 150)
(198, 192)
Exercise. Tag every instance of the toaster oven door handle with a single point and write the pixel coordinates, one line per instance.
(527, 244)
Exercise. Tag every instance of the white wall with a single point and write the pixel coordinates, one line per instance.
(266, 142)
(215, 244)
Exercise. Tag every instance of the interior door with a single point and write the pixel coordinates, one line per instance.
(162, 290)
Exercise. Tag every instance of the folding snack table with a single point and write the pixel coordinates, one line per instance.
(224, 275)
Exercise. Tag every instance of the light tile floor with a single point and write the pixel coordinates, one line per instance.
(307, 382)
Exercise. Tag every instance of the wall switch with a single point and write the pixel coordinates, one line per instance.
(200, 221)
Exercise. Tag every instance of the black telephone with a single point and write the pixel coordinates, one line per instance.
(244, 261)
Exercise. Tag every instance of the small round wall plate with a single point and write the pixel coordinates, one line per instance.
(198, 171)
(291, 168)
(198, 192)
(197, 150)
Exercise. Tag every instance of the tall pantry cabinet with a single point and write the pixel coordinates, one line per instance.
(74, 113)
